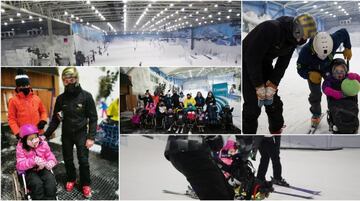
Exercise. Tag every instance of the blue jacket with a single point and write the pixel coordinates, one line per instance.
(308, 60)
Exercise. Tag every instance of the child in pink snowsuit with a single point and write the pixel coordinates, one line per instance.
(332, 84)
(35, 159)
(151, 108)
(342, 110)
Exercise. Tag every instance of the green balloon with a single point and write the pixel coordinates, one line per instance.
(350, 87)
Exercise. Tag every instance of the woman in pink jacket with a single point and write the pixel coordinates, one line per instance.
(35, 159)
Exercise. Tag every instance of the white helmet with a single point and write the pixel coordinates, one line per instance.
(323, 45)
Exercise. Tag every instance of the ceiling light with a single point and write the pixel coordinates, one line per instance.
(40, 20)
(92, 8)
(22, 21)
(18, 14)
(30, 17)
(11, 19)
(5, 23)
(205, 9)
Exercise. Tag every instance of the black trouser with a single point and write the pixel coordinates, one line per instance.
(42, 184)
(68, 141)
(251, 110)
(315, 98)
(270, 149)
(203, 174)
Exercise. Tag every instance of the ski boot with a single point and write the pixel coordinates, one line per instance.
(280, 182)
(70, 186)
(86, 190)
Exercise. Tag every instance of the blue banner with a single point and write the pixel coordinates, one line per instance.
(220, 89)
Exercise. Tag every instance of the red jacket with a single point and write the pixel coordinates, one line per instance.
(25, 110)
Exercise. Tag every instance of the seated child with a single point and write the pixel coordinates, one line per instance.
(35, 159)
(337, 89)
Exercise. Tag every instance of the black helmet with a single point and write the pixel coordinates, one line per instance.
(338, 62)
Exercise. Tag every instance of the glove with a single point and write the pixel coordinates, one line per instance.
(352, 76)
(40, 162)
(17, 135)
(261, 95)
(347, 54)
(261, 92)
(50, 165)
(315, 77)
(41, 124)
(270, 90)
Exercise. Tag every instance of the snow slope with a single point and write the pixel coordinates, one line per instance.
(144, 171)
(160, 53)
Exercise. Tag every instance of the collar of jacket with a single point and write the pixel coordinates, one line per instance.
(22, 95)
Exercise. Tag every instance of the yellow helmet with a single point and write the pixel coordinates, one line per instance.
(304, 26)
(70, 72)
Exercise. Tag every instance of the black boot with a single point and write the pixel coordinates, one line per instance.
(280, 182)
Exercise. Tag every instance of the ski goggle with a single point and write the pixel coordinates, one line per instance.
(339, 73)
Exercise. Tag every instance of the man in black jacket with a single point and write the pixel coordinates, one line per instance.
(75, 108)
(270, 40)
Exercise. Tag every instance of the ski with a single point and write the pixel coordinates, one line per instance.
(302, 189)
(187, 194)
(313, 129)
(294, 195)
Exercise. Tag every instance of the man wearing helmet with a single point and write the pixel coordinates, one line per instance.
(270, 40)
(314, 63)
(75, 108)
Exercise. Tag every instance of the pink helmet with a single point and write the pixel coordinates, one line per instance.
(230, 144)
(28, 129)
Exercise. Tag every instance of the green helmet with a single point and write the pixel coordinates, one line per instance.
(350, 87)
(304, 26)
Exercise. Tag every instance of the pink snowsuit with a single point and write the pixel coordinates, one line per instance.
(151, 109)
(26, 159)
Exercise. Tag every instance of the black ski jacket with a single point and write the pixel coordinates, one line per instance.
(269, 40)
(79, 114)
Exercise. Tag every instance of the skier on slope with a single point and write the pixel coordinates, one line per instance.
(314, 61)
(269, 40)
(269, 148)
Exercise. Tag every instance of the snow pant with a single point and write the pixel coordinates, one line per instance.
(203, 174)
(270, 149)
(68, 141)
(251, 110)
(315, 98)
(42, 184)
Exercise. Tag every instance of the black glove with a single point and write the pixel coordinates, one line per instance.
(47, 135)
(18, 136)
(41, 124)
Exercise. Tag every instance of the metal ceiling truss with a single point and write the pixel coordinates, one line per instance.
(129, 16)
